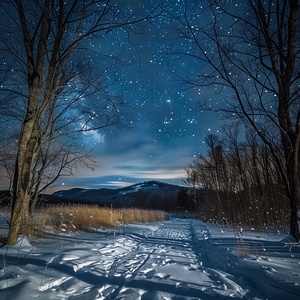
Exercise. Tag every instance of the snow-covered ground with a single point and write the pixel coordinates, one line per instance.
(175, 259)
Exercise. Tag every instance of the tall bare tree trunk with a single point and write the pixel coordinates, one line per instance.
(31, 125)
(21, 195)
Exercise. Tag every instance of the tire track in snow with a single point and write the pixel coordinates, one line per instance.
(162, 264)
(133, 262)
(155, 261)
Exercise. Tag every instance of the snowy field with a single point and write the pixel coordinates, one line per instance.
(176, 259)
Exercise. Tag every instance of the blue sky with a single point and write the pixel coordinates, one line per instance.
(163, 131)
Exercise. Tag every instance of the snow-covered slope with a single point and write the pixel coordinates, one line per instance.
(175, 259)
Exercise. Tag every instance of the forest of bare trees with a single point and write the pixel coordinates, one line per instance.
(238, 182)
(248, 54)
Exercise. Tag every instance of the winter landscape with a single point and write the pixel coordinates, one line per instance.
(172, 259)
(97, 96)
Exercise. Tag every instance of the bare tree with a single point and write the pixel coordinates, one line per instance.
(250, 55)
(56, 161)
(52, 88)
(241, 181)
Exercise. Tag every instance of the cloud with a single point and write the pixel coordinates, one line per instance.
(131, 167)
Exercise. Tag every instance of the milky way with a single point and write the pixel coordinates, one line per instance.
(162, 130)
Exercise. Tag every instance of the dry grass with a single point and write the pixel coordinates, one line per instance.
(84, 217)
(35, 226)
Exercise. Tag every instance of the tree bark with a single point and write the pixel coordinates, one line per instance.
(21, 194)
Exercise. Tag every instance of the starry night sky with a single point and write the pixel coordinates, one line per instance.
(163, 131)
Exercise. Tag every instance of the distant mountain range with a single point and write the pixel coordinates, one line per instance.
(149, 194)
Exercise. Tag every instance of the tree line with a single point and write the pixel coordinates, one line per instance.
(238, 181)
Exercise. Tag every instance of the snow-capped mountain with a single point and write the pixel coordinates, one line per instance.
(149, 194)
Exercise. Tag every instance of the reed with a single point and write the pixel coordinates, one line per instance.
(73, 218)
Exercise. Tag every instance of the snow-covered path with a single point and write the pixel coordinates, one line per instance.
(175, 259)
